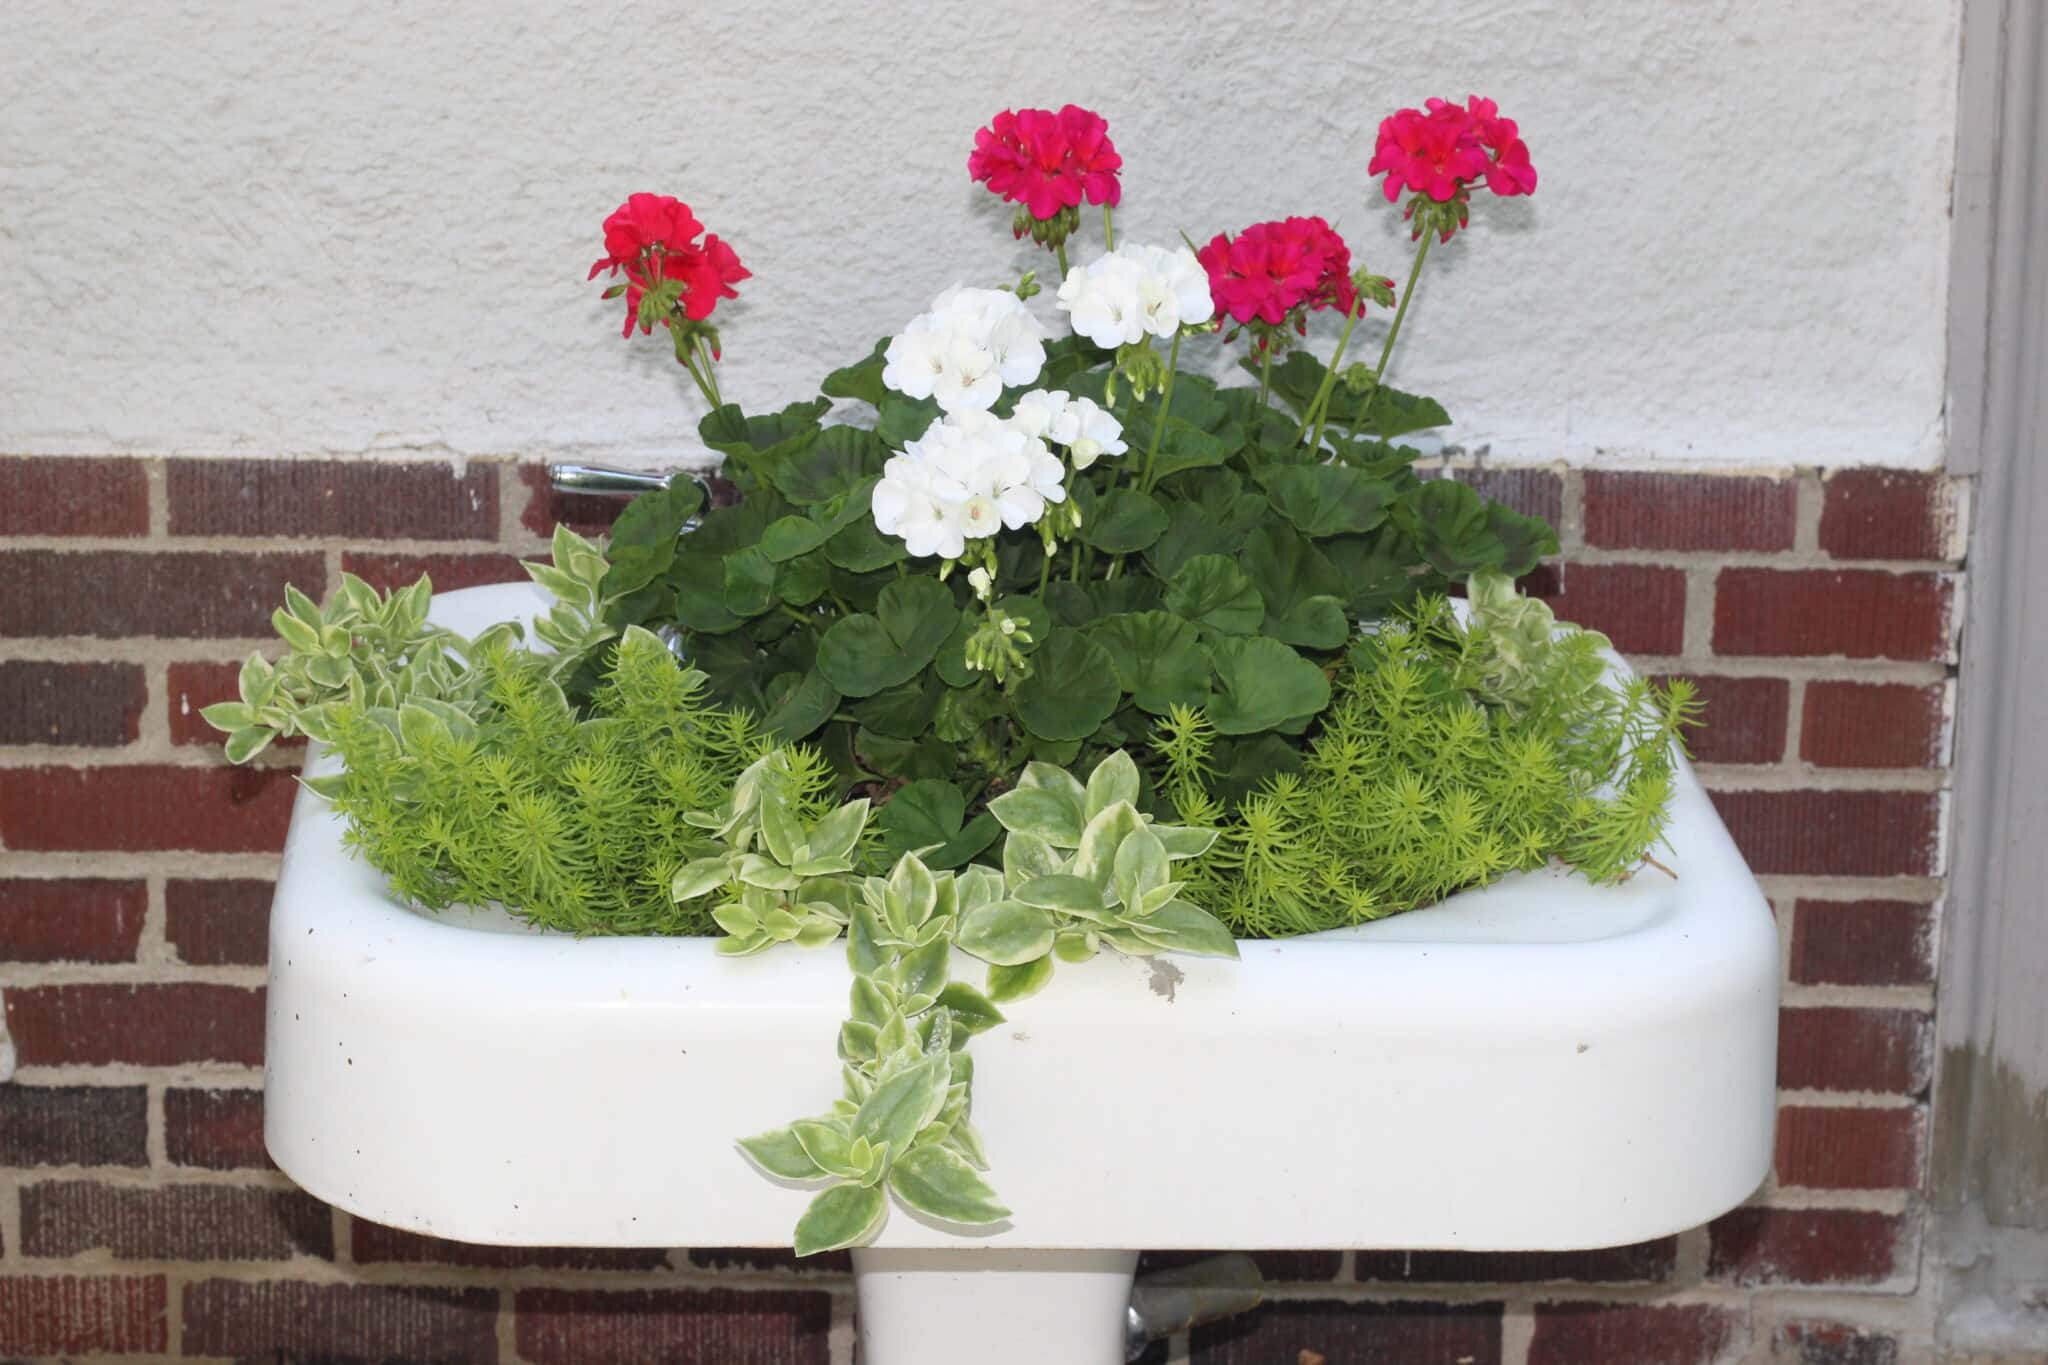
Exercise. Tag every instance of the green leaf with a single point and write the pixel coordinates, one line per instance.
(862, 654)
(1122, 522)
(1014, 983)
(1047, 803)
(923, 970)
(1158, 656)
(902, 1104)
(972, 1010)
(643, 538)
(1312, 623)
(1263, 685)
(1115, 779)
(836, 835)
(1191, 530)
(802, 709)
(858, 547)
(843, 1216)
(245, 743)
(788, 537)
(900, 420)
(901, 712)
(1061, 891)
(827, 1143)
(939, 1183)
(1392, 413)
(1185, 928)
(861, 380)
(780, 1154)
(729, 431)
(931, 814)
(1140, 867)
(1006, 933)
(228, 715)
(1288, 569)
(838, 463)
(1186, 446)
(1107, 829)
(1072, 688)
(1327, 500)
(1214, 593)
(1458, 531)
(749, 582)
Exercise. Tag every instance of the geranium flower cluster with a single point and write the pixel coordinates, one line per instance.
(968, 347)
(1123, 296)
(1083, 426)
(971, 474)
(653, 239)
(1274, 274)
(1443, 149)
(1047, 163)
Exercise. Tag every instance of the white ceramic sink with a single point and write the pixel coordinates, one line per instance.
(1544, 1064)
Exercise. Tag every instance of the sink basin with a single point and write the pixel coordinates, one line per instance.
(1540, 1065)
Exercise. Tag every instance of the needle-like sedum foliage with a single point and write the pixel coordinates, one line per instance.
(1452, 753)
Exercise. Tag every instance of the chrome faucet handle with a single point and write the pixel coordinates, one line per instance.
(602, 480)
(1169, 1301)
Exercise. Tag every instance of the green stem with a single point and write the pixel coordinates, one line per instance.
(710, 371)
(1266, 375)
(1320, 404)
(1165, 405)
(1059, 251)
(1044, 573)
(1108, 232)
(690, 364)
(1400, 311)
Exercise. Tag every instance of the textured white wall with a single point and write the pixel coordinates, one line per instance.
(340, 226)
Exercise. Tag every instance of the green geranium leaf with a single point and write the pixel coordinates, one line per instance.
(780, 1154)
(931, 814)
(1376, 576)
(749, 582)
(788, 537)
(862, 654)
(1006, 933)
(1312, 623)
(861, 380)
(1327, 500)
(1288, 568)
(729, 431)
(1072, 688)
(801, 709)
(1261, 684)
(1213, 592)
(1014, 983)
(643, 539)
(901, 420)
(939, 1183)
(858, 547)
(699, 575)
(1121, 522)
(901, 712)
(1186, 446)
(1392, 413)
(836, 464)
(1191, 530)
(843, 1216)
(1458, 531)
(1158, 656)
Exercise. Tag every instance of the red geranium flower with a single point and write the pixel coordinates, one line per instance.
(653, 237)
(1047, 161)
(1441, 153)
(1274, 272)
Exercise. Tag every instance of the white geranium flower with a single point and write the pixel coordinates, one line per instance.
(967, 477)
(1083, 426)
(1123, 295)
(963, 351)
(903, 505)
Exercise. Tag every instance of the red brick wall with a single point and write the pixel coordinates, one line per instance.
(139, 1215)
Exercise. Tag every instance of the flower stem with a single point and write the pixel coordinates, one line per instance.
(1165, 404)
(690, 364)
(1108, 232)
(1312, 420)
(710, 372)
(1400, 311)
(1266, 376)
(1044, 573)
(1059, 251)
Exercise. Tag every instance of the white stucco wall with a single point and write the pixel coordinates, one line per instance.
(316, 226)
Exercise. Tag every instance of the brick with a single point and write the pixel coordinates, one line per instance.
(771, 1258)
(1641, 1334)
(64, 495)
(288, 1320)
(1831, 1343)
(1279, 1267)
(1532, 492)
(449, 572)
(174, 1222)
(373, 1242)
(1871, 725)
(545, 508)
(361, 499)
(1857, 613)
(70, 919)
(675, 1326)
(65, 1315)
(1641, 607)
(1354, 1334)
(126, 594)
(1629, 511)
(191, 688)
(1638, 1263)
(146, 807)
(217, 1130)
(1849, 1149)
(74, 1125)
(1744, 719)
(1862, 943)
(1834, 833)
(1885, 514)
(1840, 1047)
(83, 705)
(219, 923)
(1754, 1246)
(160, 1025)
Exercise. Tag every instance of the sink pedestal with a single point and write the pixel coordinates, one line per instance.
(993, 1307)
